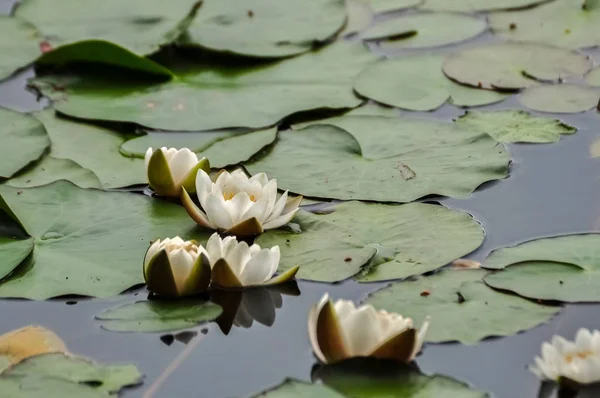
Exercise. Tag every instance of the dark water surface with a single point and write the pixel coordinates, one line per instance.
(552, 189)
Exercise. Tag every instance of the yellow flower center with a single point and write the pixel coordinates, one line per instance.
(230, 195)
(578, 355)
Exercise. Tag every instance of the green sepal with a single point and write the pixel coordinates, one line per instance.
(399, 347)
(159, 175)
(199, 278)
(192, 210)
(223, 276)
(159, 275)
(249, 227)
(283, 277)
(189, 182)
(329, 335)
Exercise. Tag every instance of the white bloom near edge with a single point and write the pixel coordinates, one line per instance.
(236, 264)
(341, 331)
(170, 170)
(239, 205)
(174, 267)
(577, 361)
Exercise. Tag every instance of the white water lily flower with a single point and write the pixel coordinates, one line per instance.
(577, 361)
(341, 331)
(235, 264)
(174, 267)
(239, 205)
(168, 170)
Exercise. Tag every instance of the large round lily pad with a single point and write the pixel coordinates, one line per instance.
(23, 140)
(560, 98)
(515, 126)
(19, 45)
(563, 23)
(222, 147)
(263, 28)
(425, 30)
(379, 241)
(383, 159)
(417, 83)
(478, 5)
(158, 316)
(214, 97)
(141, 26)
(511, 66)
(79, 149)
(86, 242)
(462, 308)
(563, 268)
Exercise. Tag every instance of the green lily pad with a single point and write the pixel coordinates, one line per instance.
(383, 159)
(77, 370)
(24, 140)
(263, 28)
(19, 45)
(392, 5)
(86, 242)
(158, 316)
(222, 147)
(564, 268)
(560, 98)
(512, 66)
(516, 126)
(593, 78)
(18, 387)
(360, 16)
(425, 30)
(462, 308)
(417, 83)
(13, 252)
(563, 23)
(374, 242)
(217, 97)
(50, 169)
(103, 52)
(367, 378)
(84, 154)
(479, 5)
(141, 26)
(291, 388)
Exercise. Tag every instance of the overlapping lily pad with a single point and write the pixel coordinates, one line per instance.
(463, 307)
(564, 268)
(374, 241)
(158, 316)
(86, 242)
(383, 159)
(392, 5)
(24, 140)
(222, 147)
(560, 98)
(593, 78)
(512, 66)
(213, 97)
(360, 16)
(141, 26)
(263, 28)
(515, 126)
(84, 154)
(19, 45)
(417, 83)
(479, 5)
(299, 389)
(563, 23)
(60, 375)
(425, 30)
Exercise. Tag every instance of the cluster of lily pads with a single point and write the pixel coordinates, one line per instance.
(221, 80)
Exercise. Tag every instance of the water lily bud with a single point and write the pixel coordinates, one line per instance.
(341, 331)
(175, 268)
(169, 170)
(575, 362)
(239, 205)
(235, 264)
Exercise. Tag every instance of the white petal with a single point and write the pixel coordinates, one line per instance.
(262, 179)
(344, 308)
(152, 250)
(270, 193)
(280, 221)
(214, 247)
(256, 209)
(258, 269)
(169, 153)
(217, 211)
(237, 257)
(181, 164)
(362, 331)
(229, 244)
(204, 186)
(238, 206)
(274, 259)
(583, 339)
(223, 178)
(149, 153)
(278, 207)
(181, 264)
